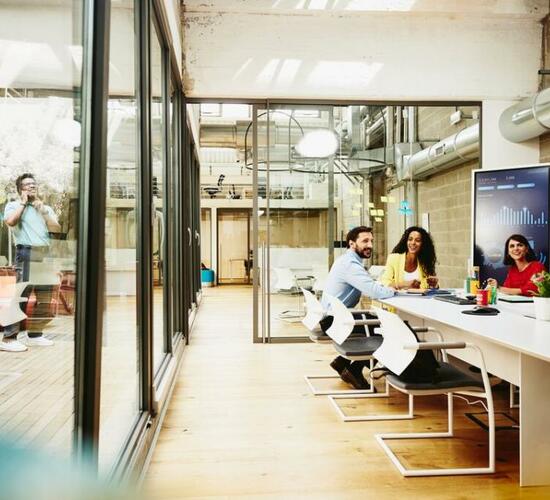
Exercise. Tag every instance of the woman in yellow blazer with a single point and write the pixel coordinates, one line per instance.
(412, 262)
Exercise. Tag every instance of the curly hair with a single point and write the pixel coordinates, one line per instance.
(530, 257)
(426, 256)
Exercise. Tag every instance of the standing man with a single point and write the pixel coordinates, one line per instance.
(347, 281)
(31, 222)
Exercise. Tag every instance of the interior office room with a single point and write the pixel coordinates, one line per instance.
(177, 180)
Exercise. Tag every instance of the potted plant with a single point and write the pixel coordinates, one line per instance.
(542, 299)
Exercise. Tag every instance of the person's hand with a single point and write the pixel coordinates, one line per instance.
(492, 282)
(432, 281)
(24, 197)
(38, 204)
(409, 284)
(532, 292)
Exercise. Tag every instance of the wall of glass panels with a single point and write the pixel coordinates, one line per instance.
(98, 166)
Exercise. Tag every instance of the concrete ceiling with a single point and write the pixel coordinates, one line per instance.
(535, 9)
(362, 49)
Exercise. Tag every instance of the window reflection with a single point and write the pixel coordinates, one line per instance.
(158, 229)
(120, 371)
(40, 82)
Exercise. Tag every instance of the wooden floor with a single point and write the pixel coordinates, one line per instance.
(243, 424)
(37, 386)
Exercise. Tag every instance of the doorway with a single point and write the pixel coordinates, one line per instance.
(234, 251)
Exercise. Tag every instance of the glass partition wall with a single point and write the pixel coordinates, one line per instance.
(320, 170)
(297, 212)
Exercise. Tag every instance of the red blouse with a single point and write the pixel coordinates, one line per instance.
(522, 280)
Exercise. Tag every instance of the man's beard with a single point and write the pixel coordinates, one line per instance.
(365, 254)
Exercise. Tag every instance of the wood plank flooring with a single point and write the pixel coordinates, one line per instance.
(37, 386)
(243, 424)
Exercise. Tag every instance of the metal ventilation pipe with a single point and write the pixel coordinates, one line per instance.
(527, 119)
(457, 148)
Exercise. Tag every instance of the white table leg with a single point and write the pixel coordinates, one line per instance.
(534, 422)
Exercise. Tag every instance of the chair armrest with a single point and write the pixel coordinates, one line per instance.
(362, 322)
(420, 329)
(422, 346)
(363, 311)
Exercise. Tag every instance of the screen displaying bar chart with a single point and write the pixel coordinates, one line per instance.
(506, 202)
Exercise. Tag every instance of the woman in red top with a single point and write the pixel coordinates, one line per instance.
(523, 265)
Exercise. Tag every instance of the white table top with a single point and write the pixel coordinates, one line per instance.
(511, 328)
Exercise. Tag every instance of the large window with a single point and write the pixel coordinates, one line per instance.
(40, 135)
(158, 189)
(120, 374)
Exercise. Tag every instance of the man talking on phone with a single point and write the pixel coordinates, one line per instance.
(31, 222)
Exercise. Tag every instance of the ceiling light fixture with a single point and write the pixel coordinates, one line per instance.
(318, 144)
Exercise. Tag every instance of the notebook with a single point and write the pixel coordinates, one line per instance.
(513, 298)
(428, 292)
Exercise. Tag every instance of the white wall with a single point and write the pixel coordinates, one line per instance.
(360, 55)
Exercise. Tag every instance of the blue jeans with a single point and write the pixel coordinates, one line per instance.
(24, 255)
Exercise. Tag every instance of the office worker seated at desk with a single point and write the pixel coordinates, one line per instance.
(523, 264)
(347, 280)
(412, 262)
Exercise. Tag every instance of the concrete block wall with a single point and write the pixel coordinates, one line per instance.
(544, 148)
(447, 199)
(434, 121)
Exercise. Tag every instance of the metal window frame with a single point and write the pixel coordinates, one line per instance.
(91, 230)
(157, 30)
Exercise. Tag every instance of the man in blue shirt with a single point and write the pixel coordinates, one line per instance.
(347, 281)
(31, 222)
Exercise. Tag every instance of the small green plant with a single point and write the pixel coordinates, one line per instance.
(542, 282)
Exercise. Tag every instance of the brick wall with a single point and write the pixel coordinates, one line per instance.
(434, 123)
(447, 199)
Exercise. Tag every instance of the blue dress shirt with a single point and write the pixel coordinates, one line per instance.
(348, 280)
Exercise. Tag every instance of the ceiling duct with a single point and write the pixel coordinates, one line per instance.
(527, 119)
(451, 151)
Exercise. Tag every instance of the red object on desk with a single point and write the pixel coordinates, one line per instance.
(482, 297)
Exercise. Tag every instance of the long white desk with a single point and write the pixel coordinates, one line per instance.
(516, 348)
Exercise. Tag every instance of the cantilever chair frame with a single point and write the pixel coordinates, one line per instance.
(334, 399)
(486, 394)
(317, 312)
(342, 392)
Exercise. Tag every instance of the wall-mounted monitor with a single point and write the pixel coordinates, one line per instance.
(509, 201)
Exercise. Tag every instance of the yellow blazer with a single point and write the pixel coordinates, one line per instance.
(395, 271)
